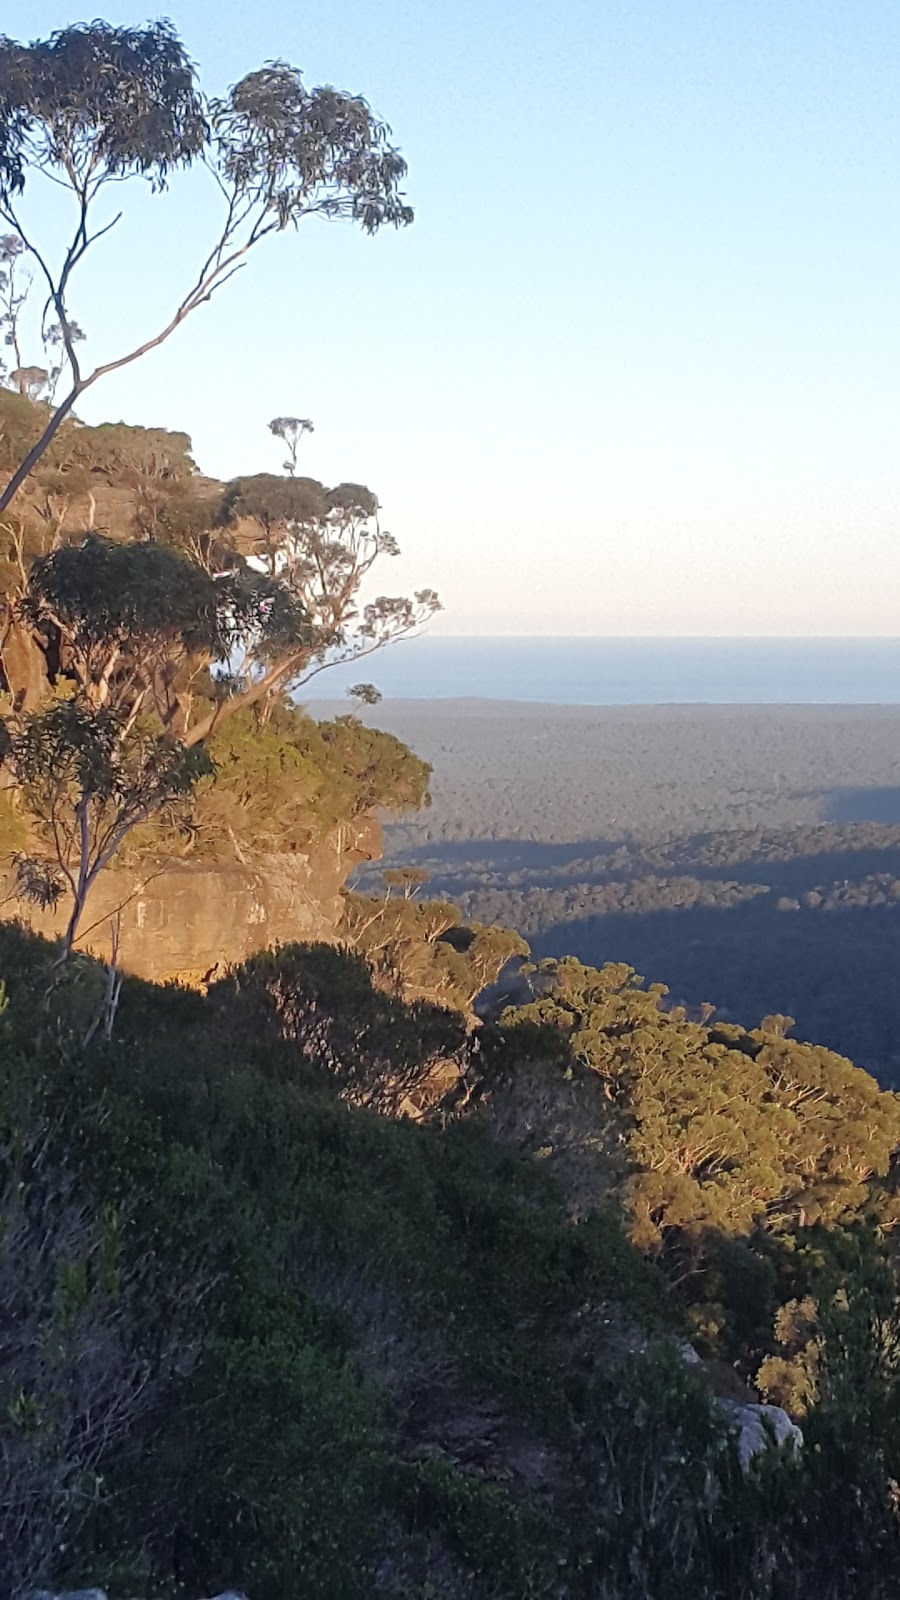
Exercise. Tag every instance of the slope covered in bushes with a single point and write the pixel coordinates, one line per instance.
(259, 1335)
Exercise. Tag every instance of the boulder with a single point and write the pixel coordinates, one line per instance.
(66, 1594)
(99, 1594)
(759, 1427)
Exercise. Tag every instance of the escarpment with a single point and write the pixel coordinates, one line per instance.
(172, 919)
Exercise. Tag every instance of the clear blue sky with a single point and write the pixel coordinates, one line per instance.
(636, 367)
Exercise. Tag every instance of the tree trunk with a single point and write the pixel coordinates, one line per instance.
(269, 684)
(30, 461)
(24, 667)
(85, 877)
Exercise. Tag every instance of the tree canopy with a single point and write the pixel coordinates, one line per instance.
(726, 1126)
(203, 598)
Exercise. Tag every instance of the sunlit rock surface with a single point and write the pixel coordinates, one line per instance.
(190, 922)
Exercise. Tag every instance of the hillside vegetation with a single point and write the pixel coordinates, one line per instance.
(262, 1333)
(317, 1285)
(154, 627)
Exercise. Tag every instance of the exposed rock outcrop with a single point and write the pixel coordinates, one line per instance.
(759, 1427)
(100, 1594)
(190, 922)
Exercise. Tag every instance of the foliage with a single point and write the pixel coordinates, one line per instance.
(749, 1157)
(95, 458)
(130, 620)
(87, 779)
(15, 283)
(91, 107)
(319, 545)
(149, 630)
(126, 616)
(204, 600)
(726, 1126)
(364, 694)
(286, 781)
(79, 1371)
(302, 1497)
(64, 107)
(380, 1296)
(669, 838)
(408, 1373)
(132, 629)
(422, 949)
(322, 1001)
(290, 430)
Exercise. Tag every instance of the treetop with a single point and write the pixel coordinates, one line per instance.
(99, 102)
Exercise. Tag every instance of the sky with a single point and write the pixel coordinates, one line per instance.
(635, 369)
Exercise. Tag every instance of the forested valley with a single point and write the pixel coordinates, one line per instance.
(749, 858)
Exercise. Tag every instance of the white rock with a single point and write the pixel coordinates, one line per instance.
(688, 1355)
(66, 1594)
(759, 1427)
(98, 1594)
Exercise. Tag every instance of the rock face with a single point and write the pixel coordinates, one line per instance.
(191, 922)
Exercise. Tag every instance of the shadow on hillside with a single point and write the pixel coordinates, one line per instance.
(822, 943)
(517, 865)
(833, 972)
(861, 805)
(512, 855)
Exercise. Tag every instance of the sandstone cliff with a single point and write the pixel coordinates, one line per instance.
(190, 922)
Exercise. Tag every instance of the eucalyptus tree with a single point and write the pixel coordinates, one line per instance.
(290, 430)
(98, 759)
(88, 777)
(94, 106)
(315, 547)
(14, 288)
(138, 638)
(191, 630)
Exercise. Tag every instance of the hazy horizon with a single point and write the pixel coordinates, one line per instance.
(626, 671)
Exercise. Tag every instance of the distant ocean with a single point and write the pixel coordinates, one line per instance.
(611, 672)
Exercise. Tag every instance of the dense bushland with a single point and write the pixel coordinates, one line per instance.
(326, 1352)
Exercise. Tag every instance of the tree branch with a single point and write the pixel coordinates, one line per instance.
(216, 272)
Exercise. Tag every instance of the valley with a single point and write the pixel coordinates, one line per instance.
(747, 857)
